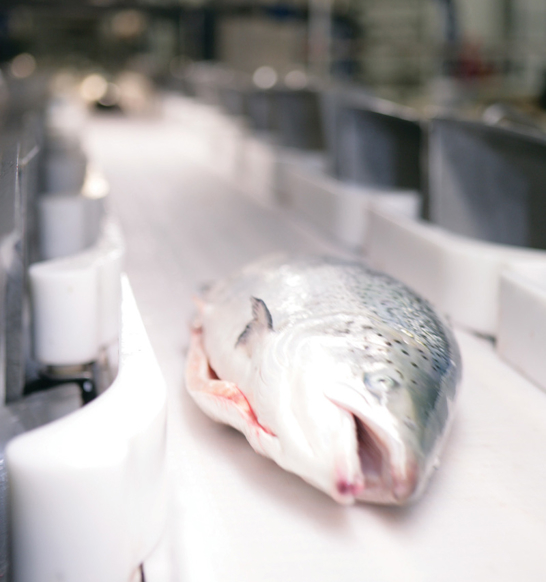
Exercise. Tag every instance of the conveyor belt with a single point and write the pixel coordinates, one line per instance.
(236, 516)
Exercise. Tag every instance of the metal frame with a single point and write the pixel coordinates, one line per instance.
(487, 182)
(373, 142)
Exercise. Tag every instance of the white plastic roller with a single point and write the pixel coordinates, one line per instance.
(75, 301)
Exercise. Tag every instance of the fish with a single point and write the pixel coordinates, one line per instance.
(339, 373)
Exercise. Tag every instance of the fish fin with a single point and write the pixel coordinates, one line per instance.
(220, 399)
(261, 322)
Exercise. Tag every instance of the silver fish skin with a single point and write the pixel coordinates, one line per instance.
(339, 373)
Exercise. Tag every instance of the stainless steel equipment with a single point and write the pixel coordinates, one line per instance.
(487, 181)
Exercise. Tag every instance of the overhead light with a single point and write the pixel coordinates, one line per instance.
(296, 79)
(128, 23)
(93, 87)
(265, 77)
(23, 66)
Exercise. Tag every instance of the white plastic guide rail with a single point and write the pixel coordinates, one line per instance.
(521, 334)
(88, 491)
(339, 208)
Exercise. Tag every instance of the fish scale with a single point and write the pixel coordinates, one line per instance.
(327, 281)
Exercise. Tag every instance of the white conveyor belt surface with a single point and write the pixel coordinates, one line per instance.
(236, 516)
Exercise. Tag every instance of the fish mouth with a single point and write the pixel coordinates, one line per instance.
(386, 467)
(371, 453)
(390, 472)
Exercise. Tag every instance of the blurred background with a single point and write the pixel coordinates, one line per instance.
(416, 51)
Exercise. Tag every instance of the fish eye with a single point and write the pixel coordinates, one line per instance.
(379, 383)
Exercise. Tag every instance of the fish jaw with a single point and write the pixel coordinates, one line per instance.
(390, 469)
(334, 465)
(358, 450)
